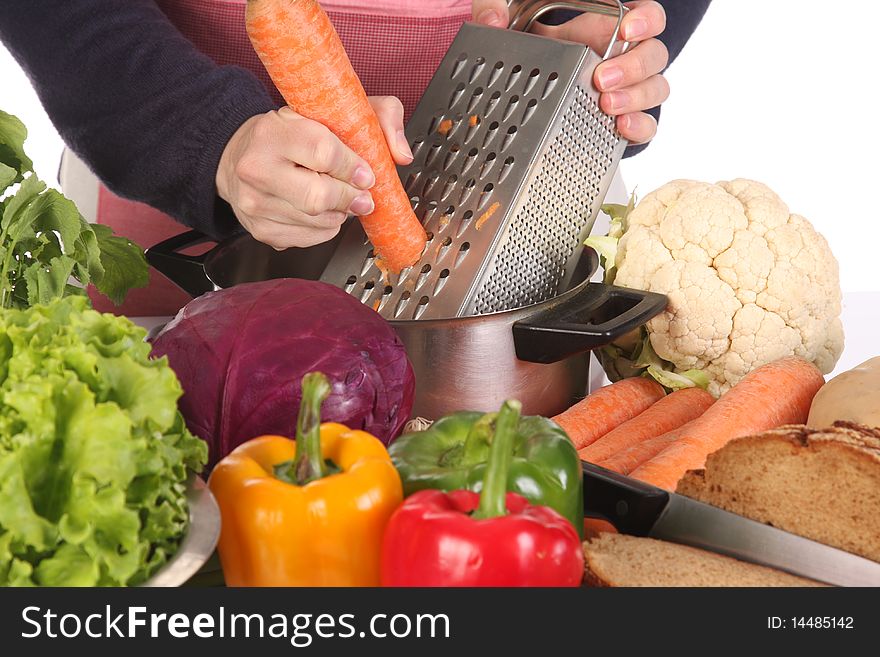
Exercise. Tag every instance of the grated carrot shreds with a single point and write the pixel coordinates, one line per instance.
(487, 215)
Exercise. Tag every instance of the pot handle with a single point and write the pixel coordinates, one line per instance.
(185, 271)
(592, 318)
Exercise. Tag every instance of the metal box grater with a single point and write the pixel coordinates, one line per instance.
(513, 158)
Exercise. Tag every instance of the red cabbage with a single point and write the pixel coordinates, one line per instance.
(240, 354)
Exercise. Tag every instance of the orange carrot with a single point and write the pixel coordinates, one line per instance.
(629, 458)
(669, 413)
(770, 396)
(600, 412)
(306, 60)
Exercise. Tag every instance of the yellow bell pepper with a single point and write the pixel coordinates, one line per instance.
(310, 512)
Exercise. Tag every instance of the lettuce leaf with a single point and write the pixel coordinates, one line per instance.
(45, 242)
(94, 455)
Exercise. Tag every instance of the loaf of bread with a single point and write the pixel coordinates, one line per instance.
(820, 484)
(621, 560)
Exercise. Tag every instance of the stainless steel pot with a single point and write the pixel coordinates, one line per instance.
(537, 354)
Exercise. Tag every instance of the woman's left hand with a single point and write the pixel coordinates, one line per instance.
(629, 83)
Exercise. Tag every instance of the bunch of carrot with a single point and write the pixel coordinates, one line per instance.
(630, 427)
(307, 63)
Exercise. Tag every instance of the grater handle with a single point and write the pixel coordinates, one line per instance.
(593, 317)
(524, 13)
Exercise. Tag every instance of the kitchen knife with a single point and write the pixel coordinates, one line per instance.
(640, 509)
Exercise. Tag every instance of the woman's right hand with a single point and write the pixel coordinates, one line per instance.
(292, 182)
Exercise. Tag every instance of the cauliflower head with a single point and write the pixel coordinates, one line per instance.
(748, 282)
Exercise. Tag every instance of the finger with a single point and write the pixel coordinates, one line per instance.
(283, 236)
(640, 63)
(637, 128)
(256, 204)
(313, 146)
(313, 193)
(389, 110)
(637, 98)
(645, 19)
(490, 12)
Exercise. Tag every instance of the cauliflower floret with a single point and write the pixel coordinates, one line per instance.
(748, 282)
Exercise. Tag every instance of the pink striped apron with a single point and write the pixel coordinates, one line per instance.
(394, 45)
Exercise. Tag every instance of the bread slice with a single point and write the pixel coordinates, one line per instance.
(820, 484)
(619, 560)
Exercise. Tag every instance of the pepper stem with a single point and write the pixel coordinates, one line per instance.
(309, 462)
(493, 498)
(478, 440)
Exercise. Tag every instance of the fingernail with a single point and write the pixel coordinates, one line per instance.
(617, 99)
(610, 76)
(362, 205)
(491, 17)
(363, 178)
(403, 144)
(635, 29)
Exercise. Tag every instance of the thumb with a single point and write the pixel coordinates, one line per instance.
(491, 12)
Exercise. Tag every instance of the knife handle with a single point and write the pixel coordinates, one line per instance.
(630, 505)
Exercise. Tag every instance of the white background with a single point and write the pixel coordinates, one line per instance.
(782, 92)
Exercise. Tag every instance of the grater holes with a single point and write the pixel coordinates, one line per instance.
(479, 63)
(495, 73)
(414, 201)
(451, 155)
(508, 138)
(402, 303)
(529, 111)
(411, 181)
(349, 283)
(511, 106)
(441, 281)
(531, 81)
(462, 253)
(423, 276)
(513, 77)
(459, 63)
(492, 103)
(547, 229)
(465, 223)
(456, 95)
(470, 158)
(505, 168)
(368, 290)
(485, 196)
(369, 259)
(421, 307)
(429, 237)
(490, 134)
(466, 190)
(476, 97)
(446, 217)
(488, 163)
(432, 154)
(552, 79)
(449, 186)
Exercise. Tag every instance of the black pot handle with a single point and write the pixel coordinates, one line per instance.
(185, 271)
(593, 317)
(631, 506)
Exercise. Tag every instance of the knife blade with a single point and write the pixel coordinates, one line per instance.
(634, 507)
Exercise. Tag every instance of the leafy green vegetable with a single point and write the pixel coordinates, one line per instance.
(94, 454)
(633, 355)
(44, 241)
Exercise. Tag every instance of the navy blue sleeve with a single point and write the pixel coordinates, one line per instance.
(682, 18)
(135, 100)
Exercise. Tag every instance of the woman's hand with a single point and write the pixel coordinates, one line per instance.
(291, 182)
(629, 83)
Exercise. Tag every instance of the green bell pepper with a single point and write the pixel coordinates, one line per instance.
(452, 454)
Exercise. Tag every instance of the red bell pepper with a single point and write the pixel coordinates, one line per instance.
(494, 538)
